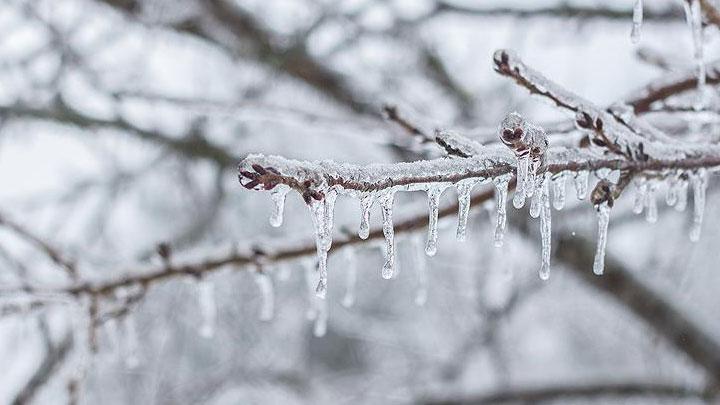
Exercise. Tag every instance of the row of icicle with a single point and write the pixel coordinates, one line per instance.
(537, 190)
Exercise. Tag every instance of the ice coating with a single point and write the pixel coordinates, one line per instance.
(545, 228)
(278, 195)
(208, 308)
(603, 217)
(386, 203)
(699, 183)
(501, 192)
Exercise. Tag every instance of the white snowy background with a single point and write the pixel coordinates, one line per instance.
(106, 197)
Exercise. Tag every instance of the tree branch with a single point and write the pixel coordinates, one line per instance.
(569, 391)
(46, 248)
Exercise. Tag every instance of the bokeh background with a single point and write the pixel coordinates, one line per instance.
(122, 122)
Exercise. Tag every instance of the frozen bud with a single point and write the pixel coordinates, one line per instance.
(603, 192)
(538, 147)
(513, 133)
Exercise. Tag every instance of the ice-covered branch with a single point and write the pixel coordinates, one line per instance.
(616, 128)
(576, 391)
(311, 179)
(659, 90)
(564, 10)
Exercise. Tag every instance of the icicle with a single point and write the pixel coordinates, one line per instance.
(464, 187)
(366, 203)
(699, 183)
(640, 195)
(536, 205)
(637, 21)
(322, 214)
(421, 269)
(208, 308)
(545, 228)
(130, 343)
(501, 191)
(351, 274)
(581, 184)
(278, 195)
(671, 197)
(530, 181)
(559, 192)
(693, 15)
(603, 215)
(434, 194)
(321, 317)
(267, 294)
(682, 193)
(651, 215)
(522, 174)
(386, 202)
